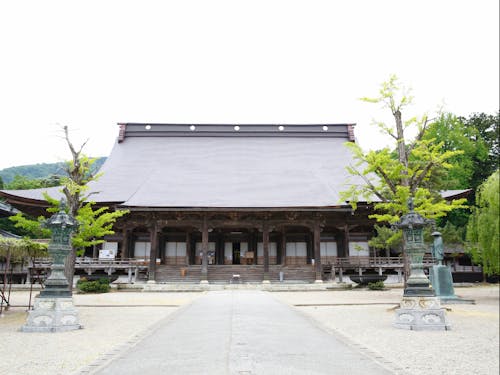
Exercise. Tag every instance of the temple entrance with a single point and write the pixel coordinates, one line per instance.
(236, 253)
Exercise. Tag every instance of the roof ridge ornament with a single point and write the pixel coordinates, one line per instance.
(316, 130)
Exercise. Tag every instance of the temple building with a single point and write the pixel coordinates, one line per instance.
(258, 200)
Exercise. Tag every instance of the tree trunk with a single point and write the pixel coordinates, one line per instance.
(403, 157)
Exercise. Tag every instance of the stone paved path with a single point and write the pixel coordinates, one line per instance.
(241, 332)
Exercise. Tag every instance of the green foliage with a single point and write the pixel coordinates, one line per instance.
(1, 182)
(30, 226)
(376, 285)
(453, 234)
(488, 128)
(97, 286)
(20, 182)
(40, 171)
(392, 176)
(386, 239)
(93, 224)
(454, 135)
(483, 228)
(21, 248)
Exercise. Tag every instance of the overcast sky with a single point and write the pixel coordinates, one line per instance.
(92, 64)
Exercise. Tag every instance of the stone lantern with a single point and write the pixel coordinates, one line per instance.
(53, 309)
(61, 225)
(420, 309)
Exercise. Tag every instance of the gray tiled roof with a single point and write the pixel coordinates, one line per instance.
(225, 172)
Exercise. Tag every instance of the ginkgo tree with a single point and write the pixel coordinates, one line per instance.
(403, 170)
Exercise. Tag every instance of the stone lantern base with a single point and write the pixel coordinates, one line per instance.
(421, 313)
(57, 314)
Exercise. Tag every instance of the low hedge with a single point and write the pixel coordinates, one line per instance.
(376, 285)
(96, 286)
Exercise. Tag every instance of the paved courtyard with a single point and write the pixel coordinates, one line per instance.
(322, 332)
(241, 332)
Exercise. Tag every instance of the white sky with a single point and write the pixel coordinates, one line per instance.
(92, 64)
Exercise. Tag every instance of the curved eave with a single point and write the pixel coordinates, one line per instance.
(30, 206)
(455, 194)
(38, 207)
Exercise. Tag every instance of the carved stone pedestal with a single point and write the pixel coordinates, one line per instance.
(52, 315)
(419, 313)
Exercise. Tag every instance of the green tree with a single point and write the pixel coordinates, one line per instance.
(454, 134)
(392, 176)
(17, 249)
(386, 240)
(487, 127)
(20, 182)
(1, 182)
(93, 223)
(483, 228)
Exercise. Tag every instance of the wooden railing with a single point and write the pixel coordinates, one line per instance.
(384, 262)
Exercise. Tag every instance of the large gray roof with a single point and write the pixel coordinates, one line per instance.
(216, 166)
(165, 165)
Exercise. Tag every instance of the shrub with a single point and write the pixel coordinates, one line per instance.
(96, 286)
(376, 285)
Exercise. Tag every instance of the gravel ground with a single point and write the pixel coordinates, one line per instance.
(104, 328)
(361, 317)
(471, 347)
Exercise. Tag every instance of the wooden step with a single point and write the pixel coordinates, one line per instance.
(224, 273)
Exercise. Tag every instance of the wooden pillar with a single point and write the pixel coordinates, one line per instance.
(310, 246)
(317, 252)
(265, 244)
(283, 247)
(255, 242)
(153, 252)
(125, 243)
(162, 241)
(219, 251)
(346, 240)
(189, 259)
(204, 250)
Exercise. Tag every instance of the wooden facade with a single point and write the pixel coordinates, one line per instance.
(208, 238)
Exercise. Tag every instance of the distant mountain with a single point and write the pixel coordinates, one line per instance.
(43, 170)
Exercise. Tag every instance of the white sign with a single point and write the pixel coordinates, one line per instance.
(107, 254)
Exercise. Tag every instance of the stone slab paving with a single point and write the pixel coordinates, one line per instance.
(240, 332)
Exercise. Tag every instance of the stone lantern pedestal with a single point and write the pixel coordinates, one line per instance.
(52, 315)
(54, 310)
(419, 309)
(421, 313)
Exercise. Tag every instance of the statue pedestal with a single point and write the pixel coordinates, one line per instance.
(421, 313)
(53, 314)
(442, 283)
